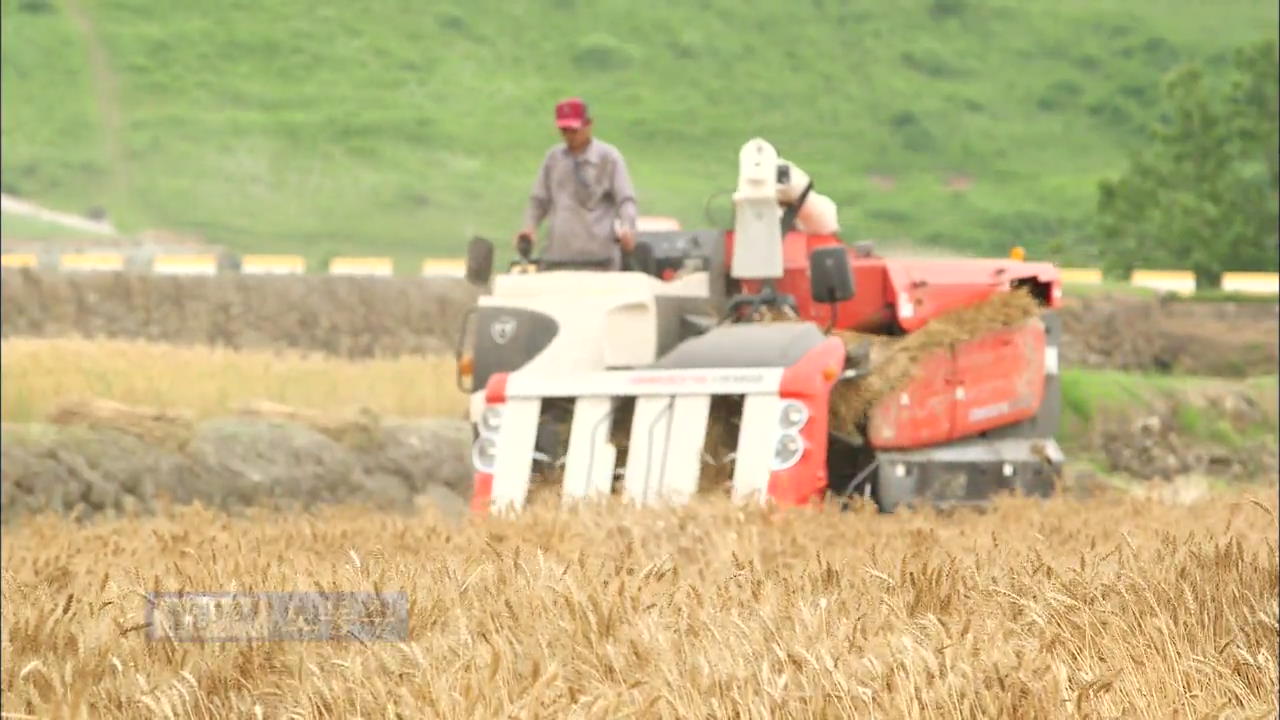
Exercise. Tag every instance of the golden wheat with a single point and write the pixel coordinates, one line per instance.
(1112, 607)
(38, 375)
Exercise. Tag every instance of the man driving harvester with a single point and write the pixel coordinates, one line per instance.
(584, 189)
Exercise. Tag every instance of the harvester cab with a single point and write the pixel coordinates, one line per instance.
(743, 361)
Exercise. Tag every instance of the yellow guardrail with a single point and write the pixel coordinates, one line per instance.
(273, 265)
(441, 267)
(92, 262)
(1164, 280)
(185, 265)
(377, 266)
(19, 260)
(1182, 282)
(1253, 283)
(1080, 276)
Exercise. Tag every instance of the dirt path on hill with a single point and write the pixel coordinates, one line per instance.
(106, 93)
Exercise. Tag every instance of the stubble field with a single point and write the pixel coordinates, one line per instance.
(41, 375)
(1115, 607)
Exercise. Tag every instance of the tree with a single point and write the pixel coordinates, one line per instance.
(1203, 194)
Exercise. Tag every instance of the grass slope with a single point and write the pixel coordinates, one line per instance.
(402, 128)
(1088, 393)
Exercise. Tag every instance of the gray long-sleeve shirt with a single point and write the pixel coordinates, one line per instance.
(582, 196)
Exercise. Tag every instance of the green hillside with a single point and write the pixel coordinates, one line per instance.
(403, 127)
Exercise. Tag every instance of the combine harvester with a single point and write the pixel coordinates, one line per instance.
(771, 359)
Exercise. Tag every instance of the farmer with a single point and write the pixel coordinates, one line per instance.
(585, 191)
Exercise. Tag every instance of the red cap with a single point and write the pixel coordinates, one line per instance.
(571, 113)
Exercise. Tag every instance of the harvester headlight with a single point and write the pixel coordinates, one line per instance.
(793, 416)
(491, 419)
(787, 451)
(484, 454)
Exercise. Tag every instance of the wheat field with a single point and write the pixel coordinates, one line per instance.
(1109, 607)
(40, 374)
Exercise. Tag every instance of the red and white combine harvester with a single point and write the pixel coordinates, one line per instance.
(744, 334)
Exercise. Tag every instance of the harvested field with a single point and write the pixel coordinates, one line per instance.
(363, 317)
(38, 375)
(1116, 607)
(109, 427)
(1226, 339)
(101, 459)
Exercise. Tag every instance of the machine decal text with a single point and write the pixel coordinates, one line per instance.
(746, 379)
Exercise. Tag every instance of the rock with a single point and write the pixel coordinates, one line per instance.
(233, 463)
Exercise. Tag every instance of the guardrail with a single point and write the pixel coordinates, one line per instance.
(1253, 283)
(1182, 282)
(1080, 276)
(273, 265)
(212, 264)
